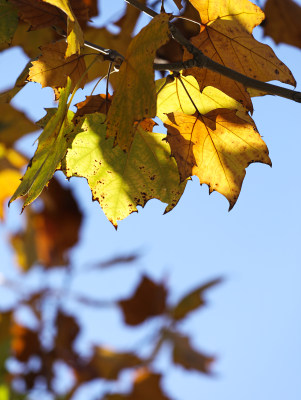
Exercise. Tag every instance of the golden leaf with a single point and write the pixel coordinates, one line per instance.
(216, 147)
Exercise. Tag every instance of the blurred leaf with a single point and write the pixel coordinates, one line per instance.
(108, 364)
(52, 68)
(135, 97)
(25, 342)
(186, 356)
(13, 124)
(192, 300)
(7, 95)
(8, 22)
(67, 331)
(149, 300)
(116, 261)
(282, 21)
(5, 339)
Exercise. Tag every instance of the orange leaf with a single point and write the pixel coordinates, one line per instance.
(226, 37)
(52, 68)
(135, 97)
(216, 147)
(25, 342)
(283, 21)
(148, 301)
(93, 104)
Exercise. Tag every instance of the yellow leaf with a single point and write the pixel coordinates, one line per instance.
(135, 97)
(226, 37)
(217, 148)
(185, 97)
(52, 68)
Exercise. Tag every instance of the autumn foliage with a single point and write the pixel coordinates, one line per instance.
(111, 139)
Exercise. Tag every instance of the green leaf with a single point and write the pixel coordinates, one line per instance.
(120, 181)
(52, 147)
(172, 97)
(8, 21)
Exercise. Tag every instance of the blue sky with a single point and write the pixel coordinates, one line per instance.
(252, 322)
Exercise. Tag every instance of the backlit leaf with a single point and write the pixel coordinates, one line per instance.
(282, 22)
(52, 146)
(226, 37)
(135, 97)
(52, 68)
(216, 147)
(148, 301)
(8, 21)
(121, 181)
(172, 97)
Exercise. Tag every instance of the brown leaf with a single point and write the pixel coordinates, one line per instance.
(25, 342)
(135, 97)
(186, 356)
(93, 104)
(108, 364)
(67, 331)
(148, 301)
(226, 37)
(283, 21)
(192, 300)
(216, 147)
(38, 14)
(52, 68)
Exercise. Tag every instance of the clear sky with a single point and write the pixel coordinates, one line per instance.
(252, 323)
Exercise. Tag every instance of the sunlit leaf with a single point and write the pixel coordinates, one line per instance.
(135, 97)
(226, 37)
(52, 146)
(216, 147)
(52, 68)
(121, 181)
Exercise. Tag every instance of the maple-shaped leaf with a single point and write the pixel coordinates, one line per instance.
(186, 356)
(52, 68)
(121, 181)
(216, 147)
(97, 103)
(8, 22)
(107, 364)
(282, 22)
(135, 97)
(25, 342)
(226, 37)
(183, 95)
(192, 301)
(147, 386)
(13, 124)
(11, 162)
(148, 301)
(52, 147)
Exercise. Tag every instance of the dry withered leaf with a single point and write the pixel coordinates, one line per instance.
(192, 300)
(282, 21)
(148, 301)
(186, 356)
(52, 68)
(226, 37)
(135, 97)
(216, 147)
(92, 104)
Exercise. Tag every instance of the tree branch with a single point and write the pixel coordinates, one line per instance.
(202, 61)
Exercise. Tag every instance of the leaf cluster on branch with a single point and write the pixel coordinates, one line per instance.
(204, 99)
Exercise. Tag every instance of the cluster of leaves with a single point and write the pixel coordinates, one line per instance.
(110, 140)
(37, 360)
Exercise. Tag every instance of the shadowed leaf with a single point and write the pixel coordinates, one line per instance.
(148, 301)
(8, 21)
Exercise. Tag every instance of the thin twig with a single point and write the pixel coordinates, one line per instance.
(202, 61)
